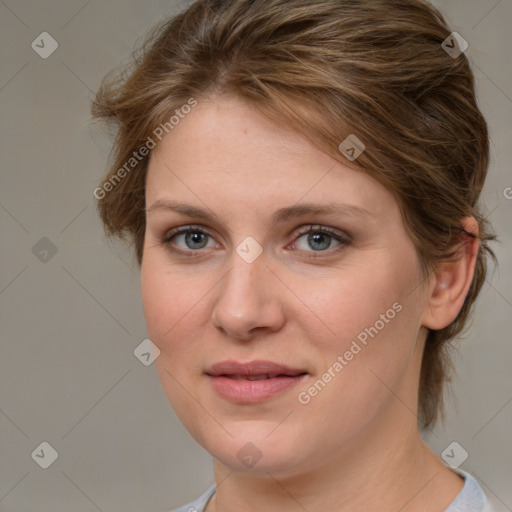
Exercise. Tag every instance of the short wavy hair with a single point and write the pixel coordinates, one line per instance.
(327, 69)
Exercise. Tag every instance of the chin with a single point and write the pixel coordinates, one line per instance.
(253, 450)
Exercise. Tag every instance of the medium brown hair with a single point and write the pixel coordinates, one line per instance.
(328, 68)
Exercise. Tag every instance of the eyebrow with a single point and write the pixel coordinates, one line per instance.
(280, 215)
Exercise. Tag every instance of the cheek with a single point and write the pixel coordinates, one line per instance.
(375, 320)
(172, 313)
(174, 308)
(372, 321)
(355, 302)
(155, 300)
(165, 302)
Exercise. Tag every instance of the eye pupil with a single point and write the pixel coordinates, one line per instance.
(317, 238)
(195, 238)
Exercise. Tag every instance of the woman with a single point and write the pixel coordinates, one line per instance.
(299, 180)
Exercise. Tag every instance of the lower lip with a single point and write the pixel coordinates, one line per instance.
(252, 391)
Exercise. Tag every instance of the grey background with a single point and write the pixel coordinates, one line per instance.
(69, 326)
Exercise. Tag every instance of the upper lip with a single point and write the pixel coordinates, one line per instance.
(252, 368)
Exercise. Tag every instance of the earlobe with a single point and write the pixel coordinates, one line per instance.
(451, 280)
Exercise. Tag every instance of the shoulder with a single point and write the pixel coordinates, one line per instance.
(199, 504)
(471, 498)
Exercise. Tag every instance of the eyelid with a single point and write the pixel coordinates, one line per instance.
(183, 229)
(344, 236)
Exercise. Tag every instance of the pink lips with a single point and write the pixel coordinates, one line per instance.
(252, 382)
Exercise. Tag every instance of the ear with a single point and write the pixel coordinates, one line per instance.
(452, 280)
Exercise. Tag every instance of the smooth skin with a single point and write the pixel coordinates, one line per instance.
(355, 446)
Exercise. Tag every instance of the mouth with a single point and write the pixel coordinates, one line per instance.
(256, 377)
(252, 382)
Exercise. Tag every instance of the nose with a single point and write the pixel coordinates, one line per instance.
(249, 300)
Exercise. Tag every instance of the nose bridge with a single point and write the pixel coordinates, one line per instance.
(247, 298)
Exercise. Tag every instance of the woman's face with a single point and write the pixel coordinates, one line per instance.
(336, 312)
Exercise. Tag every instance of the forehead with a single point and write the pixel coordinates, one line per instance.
(225, 130)
(226, 152)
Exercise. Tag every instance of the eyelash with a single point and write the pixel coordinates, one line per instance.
(344, 240)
